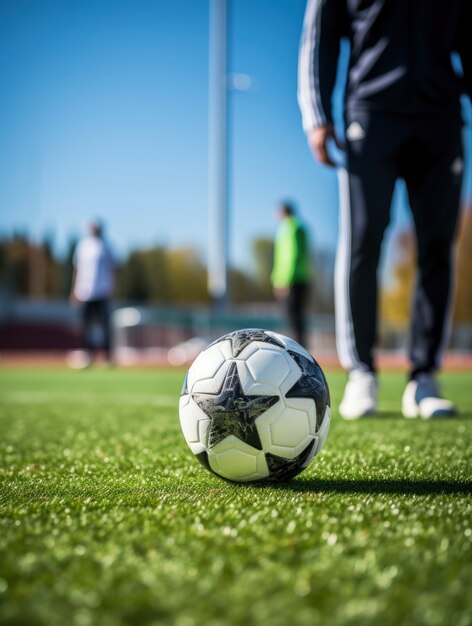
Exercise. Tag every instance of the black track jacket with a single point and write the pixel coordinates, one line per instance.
(400, 60)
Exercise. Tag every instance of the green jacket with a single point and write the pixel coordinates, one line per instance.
(291, 254)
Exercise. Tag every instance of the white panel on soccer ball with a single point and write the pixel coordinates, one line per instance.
(268, 368)
(304, 404)
(236, 460)
(196, 447)
(293, 376)
(233, 464)
(213, 384)
(226, 348)
(205, 367)
(245, 377)
(264, 421)
(190, 414)
(291, 430)
(324, 430)
(184, 400)
(203, 426)
(290, 453)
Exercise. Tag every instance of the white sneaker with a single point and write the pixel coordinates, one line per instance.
(422, 398)
(78, 359)
(360, 396)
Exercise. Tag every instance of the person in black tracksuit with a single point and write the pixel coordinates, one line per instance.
(403, 120)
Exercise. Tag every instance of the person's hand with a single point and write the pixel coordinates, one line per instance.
(281, 293)
(318, 140)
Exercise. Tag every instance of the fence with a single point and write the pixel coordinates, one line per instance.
(143, 333)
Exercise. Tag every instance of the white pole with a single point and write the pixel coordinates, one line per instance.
(217, 167)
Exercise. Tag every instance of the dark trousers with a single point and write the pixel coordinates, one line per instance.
(96, 314)
(427, 154)
(296, 305)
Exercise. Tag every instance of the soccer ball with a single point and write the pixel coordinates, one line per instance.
(255, 406)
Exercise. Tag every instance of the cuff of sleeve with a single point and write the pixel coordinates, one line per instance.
(309, 126)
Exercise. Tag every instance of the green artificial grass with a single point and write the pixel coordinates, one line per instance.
(107, 518)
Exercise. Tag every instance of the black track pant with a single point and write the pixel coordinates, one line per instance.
(427, 154)
(296, 305)
(96, 313)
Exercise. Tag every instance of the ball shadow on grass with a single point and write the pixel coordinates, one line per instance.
(395, 486)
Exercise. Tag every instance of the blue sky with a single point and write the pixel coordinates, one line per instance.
(103, 112)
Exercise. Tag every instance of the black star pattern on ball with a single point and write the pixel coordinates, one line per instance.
(231, 412)
(311, 384)
(242, 338)
(281, 469)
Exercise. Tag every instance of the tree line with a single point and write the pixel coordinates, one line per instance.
(178, 276)
(154, 275)
(396, 298)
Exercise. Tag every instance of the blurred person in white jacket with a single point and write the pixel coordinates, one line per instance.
(93, 284)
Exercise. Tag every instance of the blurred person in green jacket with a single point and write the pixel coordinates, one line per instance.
(292, 269)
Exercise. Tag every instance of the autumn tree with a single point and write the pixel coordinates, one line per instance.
(27, 268)
(186, 277)
(133, 280)
(463, 295)
(15, 264)
(263, 254)
(396, 298)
